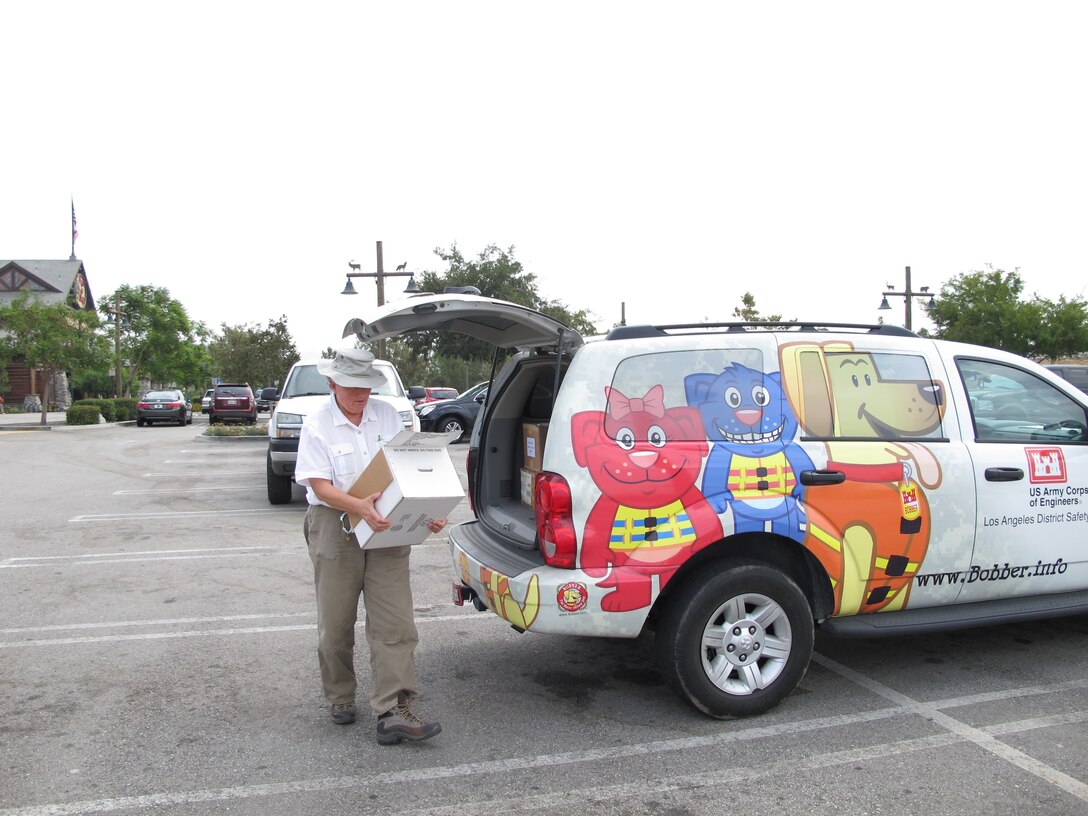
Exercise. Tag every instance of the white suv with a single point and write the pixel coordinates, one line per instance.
(733, 486)
(303, 390)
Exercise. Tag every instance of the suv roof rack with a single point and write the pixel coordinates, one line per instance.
(629, 332)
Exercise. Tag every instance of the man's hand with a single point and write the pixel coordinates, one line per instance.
(436, 525)
(369, 513)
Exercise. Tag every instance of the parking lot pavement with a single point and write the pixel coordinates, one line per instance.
(158, 654)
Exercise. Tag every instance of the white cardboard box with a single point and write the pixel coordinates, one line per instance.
(528, 482)
(418, 483)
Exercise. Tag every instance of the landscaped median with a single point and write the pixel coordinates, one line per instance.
(88, 411)
(240, 432)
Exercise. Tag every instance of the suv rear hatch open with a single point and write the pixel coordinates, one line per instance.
(522, 392)
(498, 322)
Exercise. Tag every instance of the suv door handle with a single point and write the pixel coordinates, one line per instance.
(813, 478)
(1004, 474)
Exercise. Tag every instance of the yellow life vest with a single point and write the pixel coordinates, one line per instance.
(635, 527)
(761, 477)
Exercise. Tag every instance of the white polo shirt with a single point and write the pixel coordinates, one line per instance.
(332, 448)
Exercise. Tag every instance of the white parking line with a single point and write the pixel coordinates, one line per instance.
(173, 490)
(160, 555)
(180, 514)
(567, 799)
(138, 555)
(210, 453)
(196, 471)
(965, 732)
(191, 633)
(64, 627)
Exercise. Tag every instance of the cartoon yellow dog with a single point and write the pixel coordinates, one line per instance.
(871, 532)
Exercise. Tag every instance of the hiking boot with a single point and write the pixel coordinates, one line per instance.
(343, 713)
(401, 723)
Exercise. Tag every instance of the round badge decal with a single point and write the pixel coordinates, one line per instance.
(572, 597)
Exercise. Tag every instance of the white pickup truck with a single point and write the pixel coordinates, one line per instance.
(303, 390)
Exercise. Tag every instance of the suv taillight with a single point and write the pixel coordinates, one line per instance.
(554, 523)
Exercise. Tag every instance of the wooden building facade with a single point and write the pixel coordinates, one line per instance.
(49, 282)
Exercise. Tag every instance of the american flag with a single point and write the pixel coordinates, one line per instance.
(75, 232)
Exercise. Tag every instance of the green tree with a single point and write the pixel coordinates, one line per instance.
(252, 354)
(51, 338)
(985, 308)
(748, 312)
(1065, 325)
(446, 358)
(158, 340)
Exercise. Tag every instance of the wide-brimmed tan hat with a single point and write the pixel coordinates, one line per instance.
(352, 368)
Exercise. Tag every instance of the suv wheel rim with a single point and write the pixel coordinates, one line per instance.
(746, 644)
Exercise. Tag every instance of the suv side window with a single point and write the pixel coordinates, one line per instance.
(846, 393)
(1009, 404)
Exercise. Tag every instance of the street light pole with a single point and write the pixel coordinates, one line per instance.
(379, 278)
(907, 294)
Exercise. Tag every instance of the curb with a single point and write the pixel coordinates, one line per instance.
(205, 438)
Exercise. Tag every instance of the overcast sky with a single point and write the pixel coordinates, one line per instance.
(664, 158)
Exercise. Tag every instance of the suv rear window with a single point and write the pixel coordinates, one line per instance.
(232, 391)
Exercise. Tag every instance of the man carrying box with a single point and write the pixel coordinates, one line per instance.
(338, 441)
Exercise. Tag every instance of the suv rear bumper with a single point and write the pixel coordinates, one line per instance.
(532, 596)
(234, 416)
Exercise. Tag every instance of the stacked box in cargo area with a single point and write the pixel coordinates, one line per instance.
(534, 435)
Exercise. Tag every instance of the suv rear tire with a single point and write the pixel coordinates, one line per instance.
(737, 642)
(279, 487)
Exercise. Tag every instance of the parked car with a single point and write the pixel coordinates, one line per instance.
(164, 406)
(268, 396)
(435, 393)
(304, 388)
(459, 414)
(264, 404)
(206, 401)
(233, 402)
(1076, 374)
(735, 486)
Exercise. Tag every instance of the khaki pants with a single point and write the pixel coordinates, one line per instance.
(343, 571)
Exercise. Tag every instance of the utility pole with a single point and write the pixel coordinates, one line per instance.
(908, 294)
(117, 314)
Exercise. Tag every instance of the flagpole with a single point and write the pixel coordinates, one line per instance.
(74, 232)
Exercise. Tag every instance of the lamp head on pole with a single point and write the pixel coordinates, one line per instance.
(883, 303)
(412, 288)
(349, 288)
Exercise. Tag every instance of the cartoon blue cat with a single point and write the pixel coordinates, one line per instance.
(754, 463)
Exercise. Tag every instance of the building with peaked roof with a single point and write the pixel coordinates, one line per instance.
(49, 282)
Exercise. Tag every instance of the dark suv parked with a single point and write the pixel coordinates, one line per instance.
(1076, 374)
(458, 414)
(233, 402)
